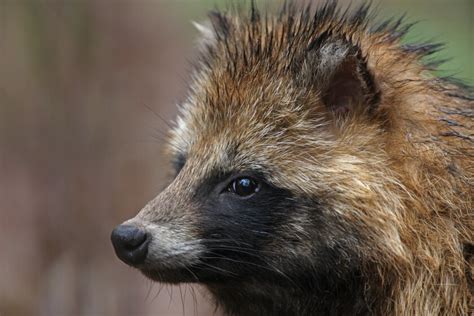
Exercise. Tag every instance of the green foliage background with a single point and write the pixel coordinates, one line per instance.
(447, 21)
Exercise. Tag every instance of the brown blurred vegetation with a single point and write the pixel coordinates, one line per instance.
(81, 149)
(85, 90)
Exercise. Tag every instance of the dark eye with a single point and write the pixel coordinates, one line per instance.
(244, 186)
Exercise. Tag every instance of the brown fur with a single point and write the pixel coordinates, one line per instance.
(396, 171)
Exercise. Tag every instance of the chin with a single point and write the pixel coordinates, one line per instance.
(191, 274)
(172, 276)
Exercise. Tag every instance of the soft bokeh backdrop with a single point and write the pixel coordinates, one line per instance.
(86, 90)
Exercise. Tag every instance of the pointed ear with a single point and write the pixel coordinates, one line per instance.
(345, 82)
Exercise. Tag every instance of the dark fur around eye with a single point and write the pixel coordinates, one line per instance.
(259, 210)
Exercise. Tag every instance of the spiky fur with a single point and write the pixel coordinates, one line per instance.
(394, 176)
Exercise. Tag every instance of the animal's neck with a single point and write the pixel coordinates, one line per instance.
(242, 298)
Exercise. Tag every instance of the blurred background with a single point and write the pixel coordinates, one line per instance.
(87, 90)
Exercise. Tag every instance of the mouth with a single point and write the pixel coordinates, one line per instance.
(162, 259)
(172, 276)
(197, 273)
(168, 261)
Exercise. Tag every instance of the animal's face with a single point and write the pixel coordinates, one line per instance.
(277, 175)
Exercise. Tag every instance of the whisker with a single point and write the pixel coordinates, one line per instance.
(169, 289)
(150, 286)
(192, 273)
(159, 291)
(158, 115)
(193, 293)
(223, 244)
(246, 250)
(218, 269)
(182, 300)
(273, 269)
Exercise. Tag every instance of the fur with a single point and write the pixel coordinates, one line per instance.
(366, 160)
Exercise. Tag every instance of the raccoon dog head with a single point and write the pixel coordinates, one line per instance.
(281, 170)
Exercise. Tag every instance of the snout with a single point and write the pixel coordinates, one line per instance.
(130, 244)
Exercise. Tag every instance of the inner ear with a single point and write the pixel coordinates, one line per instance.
(345, 90)
(346, 83)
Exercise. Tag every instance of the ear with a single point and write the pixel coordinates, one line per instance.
(345, 82)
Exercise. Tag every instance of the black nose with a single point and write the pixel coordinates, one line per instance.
(130, 244)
